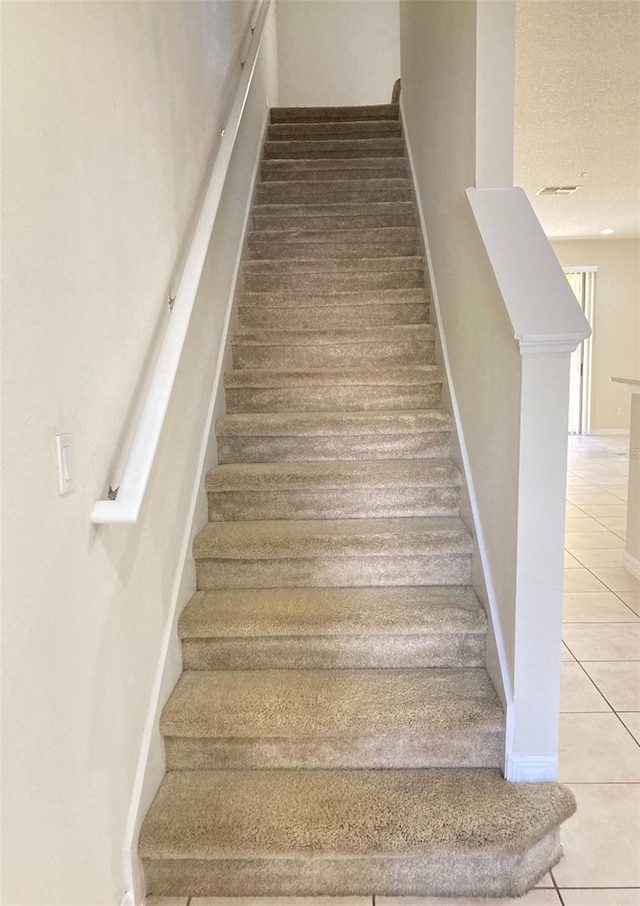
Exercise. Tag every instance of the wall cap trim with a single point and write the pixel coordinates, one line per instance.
(544, 312)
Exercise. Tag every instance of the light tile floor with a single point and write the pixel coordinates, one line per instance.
(600, 705)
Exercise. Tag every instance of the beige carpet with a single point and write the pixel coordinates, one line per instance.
(335, 730)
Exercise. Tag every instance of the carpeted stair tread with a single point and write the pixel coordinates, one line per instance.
(338, 190)
(332, 612)
(391, 267)
(387, 242)
(317, 310)
(319, 424)
(355, 235)
(360, 388)
(306, 149)
(409, 376)
(334, 114)
(287, 539)
(333, 436)
(301, 299)
(330, 164)
(333, 628)
(333, 718)
(325, 275)
(321, 169)
(266, 336)
(355, 310)
(334, 476)
(330, 129)
(281, 814)
(287, 247)
(264, 347)
(334, 490)
(333, 216)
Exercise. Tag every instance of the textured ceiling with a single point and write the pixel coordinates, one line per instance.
(578, 113)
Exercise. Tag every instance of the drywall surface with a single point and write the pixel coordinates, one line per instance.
(616, 333)
(110, 116)
(438, 48)
(337, 52)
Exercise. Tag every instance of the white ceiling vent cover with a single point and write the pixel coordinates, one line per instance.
(557, 190)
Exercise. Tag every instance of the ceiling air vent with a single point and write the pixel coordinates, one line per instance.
(557, 190)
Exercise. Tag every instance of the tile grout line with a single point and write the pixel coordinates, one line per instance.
(557, 889)
(595, 519)
(592, 681)
(595, 576)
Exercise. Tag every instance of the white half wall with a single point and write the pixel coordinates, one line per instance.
(507, 326)
(337, 52)
(438, 42)
(110, 118)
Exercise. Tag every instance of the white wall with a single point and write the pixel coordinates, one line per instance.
(616, 335)
(110, 114)
(337, 52)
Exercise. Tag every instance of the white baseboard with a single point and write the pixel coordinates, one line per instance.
(632, 564)
(596, 432)
(531, 767)
(150, 769)
(507, 688)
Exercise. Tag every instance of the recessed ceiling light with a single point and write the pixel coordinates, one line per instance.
(607, 232)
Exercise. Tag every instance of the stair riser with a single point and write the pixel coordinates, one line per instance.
(334, 572)
(336, 149)
(344, 281)
(325, 192)
(331, 652)
(275, 171)
(333, 316)
(339, 355)
(391, 248)
(342, 131)
(332, 221)
(326, 449)
(334, 114)
(360, 503)
(443, 749)
(439, 874)
(325, 398)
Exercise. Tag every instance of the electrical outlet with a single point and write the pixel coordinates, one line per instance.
(620, 410)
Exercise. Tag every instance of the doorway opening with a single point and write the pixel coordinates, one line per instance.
(582, 281)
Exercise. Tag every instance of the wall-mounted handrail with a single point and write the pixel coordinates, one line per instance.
(135, 477)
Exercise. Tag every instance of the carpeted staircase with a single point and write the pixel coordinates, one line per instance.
(335, 730)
